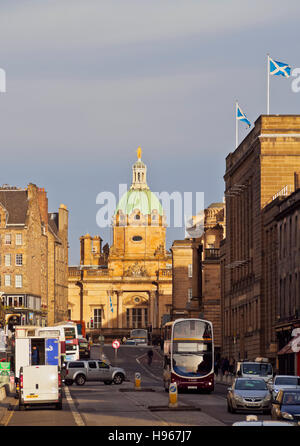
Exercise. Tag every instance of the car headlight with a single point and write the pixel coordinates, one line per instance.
(287, 416)
(238, 398)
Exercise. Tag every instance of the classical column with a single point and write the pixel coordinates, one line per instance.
(120, 308)
(153, 308)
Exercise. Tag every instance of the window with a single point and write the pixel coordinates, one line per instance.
(137, 217)
(190, 270)
(97, 317)
(7, 280)
(137, 238)
(19, 259)
(102, 365)
(92, 365)
(8, 239)
(76, 365)
(18, 281)
(190, 294)
(18, 239)
(7, 258)
(137, 317)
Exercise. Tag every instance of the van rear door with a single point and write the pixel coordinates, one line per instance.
(52, 351)
(22, 354)
(40, 384)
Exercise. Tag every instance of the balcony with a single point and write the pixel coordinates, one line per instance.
(165, 273)
(211, 254)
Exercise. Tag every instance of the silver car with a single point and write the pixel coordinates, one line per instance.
(92, 370)
(249, 394)
(284, 382)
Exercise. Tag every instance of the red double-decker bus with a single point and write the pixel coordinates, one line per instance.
(189, 354)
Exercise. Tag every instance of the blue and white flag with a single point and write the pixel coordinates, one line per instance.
(111, 305)
(240, 115)
(279, 68)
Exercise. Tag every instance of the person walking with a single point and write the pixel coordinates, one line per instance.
(150, 356)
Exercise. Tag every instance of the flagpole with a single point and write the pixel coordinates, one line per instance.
(236, 126)
(268, 84)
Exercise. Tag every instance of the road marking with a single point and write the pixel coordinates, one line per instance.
(77, 417)
(146, 370)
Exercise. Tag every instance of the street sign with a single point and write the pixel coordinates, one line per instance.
(116, 344)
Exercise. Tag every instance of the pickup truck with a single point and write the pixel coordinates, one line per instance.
(92, 370)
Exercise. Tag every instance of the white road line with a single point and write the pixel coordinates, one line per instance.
(77, 417)
(146, 370)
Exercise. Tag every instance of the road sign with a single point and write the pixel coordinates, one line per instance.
(116, 344)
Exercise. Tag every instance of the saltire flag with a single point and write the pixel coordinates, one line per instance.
(240, 116)
(279, 68)
(111, 305)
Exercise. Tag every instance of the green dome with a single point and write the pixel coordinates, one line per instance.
(143, 200)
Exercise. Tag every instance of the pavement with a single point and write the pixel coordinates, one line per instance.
(5, 406)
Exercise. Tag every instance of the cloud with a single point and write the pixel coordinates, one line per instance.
(78, 24)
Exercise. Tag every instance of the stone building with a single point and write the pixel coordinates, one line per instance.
(182, 278)
(282, 279)
(34, 257)
(262, 167)
(206, 282)
(127, 285)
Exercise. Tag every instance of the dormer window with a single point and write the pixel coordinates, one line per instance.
(137, 217)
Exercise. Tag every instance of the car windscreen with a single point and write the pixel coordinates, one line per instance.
(287, 381)
(250, 384)
(291, 398)
(257, 369)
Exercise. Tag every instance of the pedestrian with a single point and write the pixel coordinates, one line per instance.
(217, 366)
(35, 357)
(150, 356)
(124, 340)
(225, 366)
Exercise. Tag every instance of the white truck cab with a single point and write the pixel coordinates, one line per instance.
(40, 384)
(259, 368)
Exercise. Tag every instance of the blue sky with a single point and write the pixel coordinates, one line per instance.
(90, 81)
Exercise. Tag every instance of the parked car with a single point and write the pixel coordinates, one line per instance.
(249, 394)
(84, 348)
(286, 406)
(92, 370)
(40, 385)
(284, 382)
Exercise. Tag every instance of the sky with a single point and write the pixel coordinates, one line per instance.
(88, 81)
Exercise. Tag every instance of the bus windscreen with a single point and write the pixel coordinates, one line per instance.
(192, 348)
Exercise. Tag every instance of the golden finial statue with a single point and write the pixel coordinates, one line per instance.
(139, 153)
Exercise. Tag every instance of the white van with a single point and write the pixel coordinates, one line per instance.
(260, 368)
(40, 384)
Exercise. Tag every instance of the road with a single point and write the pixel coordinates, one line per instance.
(96, 404)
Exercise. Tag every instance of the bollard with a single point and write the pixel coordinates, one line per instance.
(137, 381)
(173, 395)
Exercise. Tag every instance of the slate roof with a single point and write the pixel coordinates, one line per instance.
(16, 204)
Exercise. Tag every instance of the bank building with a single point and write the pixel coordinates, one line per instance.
(129, 284)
